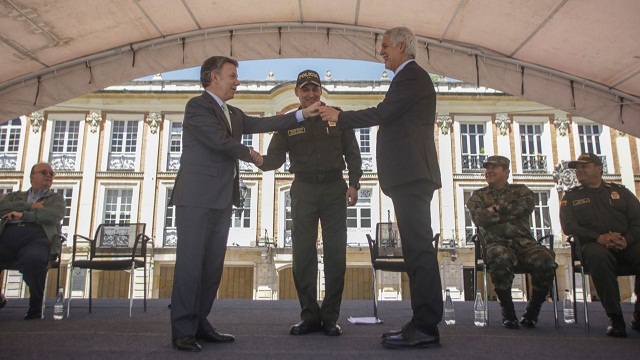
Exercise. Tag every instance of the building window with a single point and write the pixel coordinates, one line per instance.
(118, 204)
(64, 145)
(175, 146)
(10, 144)
(540, 219)
(288, 219)
(170, 230)
(359, 216)
(589, 136)
(472, 142)
(241, 217)
(533, 161)
(247, 140)
(67, 194)
(124, 140)
(363, 136)
(469, 227)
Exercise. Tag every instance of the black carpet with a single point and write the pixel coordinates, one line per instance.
(262, 332)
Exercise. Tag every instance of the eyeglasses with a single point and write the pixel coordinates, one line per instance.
(45, 173)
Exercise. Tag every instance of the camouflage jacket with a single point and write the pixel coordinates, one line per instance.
(587, 212)
(516, 202)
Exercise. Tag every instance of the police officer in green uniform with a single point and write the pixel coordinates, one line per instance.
(606, 219)
(317, 152)
(502, 212)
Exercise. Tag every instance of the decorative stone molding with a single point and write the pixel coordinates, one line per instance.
(565, 178)
(36, 121)
(503, 122)
(154, 120)
(621, 133)
(94, 121)
(444, 123)
(562, 125)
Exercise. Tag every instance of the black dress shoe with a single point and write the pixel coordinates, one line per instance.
(411, 337)
(187, 343)
(616, 327)
(528, 322)
(509, 318)
(395, 332)
(214, 336)
(510, 324)
(331, 328)
(33, 313)
(635, 322)
(3, 301)
(305, 327)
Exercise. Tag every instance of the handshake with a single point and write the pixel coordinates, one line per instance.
(256, 157)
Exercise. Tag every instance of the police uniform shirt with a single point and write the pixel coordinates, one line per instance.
(315, 147)
(589, 212)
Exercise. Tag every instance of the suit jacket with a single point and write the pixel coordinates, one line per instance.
(49, 217)
(210, 151)
(406, 149)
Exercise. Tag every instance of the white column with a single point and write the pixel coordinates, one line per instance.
(149, 186)
(447, 164)
(624, 157)
(88, 183)
(268, 195)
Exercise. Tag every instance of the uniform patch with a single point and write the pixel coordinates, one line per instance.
(615, 195)
(297, 131)
(332, 123)
(563, 203)
(581, 201)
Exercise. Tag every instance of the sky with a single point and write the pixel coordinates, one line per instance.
(288, 69)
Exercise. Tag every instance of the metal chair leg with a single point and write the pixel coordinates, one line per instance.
(554, 297)
(375, 297)
(486, 298)
(133, 269)
(585, 297)
(70, 282)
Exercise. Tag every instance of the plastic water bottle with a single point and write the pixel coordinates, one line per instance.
(449, 313)
(58, 307)
(567, 306)
(479, 312)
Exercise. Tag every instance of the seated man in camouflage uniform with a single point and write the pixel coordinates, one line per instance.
(502, 211)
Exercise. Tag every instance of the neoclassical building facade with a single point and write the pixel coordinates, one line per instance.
(116, 153)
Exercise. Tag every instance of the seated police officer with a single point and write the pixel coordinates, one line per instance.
(606, 219)
(502, 212)
(30, 220)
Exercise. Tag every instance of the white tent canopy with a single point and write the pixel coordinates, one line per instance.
(581, 56)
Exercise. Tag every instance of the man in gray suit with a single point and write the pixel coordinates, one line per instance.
(206, 186)
(409, 174)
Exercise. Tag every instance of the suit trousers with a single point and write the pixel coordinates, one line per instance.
(202, 244)
(412, 205)
(602, 263)
(29, 248)
(326, 203)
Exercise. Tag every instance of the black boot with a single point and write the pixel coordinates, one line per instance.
(509, 318)
(530, 317)
(616, 326)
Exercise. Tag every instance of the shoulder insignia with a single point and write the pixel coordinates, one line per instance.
(615, 195)
(563, 202)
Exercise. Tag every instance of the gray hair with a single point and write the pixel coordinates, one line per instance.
(404, 35)
(213, 64)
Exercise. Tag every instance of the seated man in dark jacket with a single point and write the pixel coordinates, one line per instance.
(606, 219)
(30, 221)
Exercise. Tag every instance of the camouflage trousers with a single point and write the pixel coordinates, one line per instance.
(521, 255)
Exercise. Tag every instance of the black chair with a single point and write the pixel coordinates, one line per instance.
(578, 266)
(54, 263)
(386, 255)
(114, 247)
(481, 265)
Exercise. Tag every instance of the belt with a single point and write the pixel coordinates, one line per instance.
(23, 223)
(322, 178)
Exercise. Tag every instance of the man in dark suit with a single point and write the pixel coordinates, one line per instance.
(206, 186)
(409, 174)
